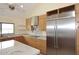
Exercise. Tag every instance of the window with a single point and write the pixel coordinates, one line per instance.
(7, 28)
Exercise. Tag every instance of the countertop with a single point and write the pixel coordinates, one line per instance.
(35, 37)
(18, 48)
(41, 36)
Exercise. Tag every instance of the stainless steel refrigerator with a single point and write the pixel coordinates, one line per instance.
(61, 33)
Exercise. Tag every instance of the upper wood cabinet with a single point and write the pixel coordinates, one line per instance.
(28, 24)
(42, 22)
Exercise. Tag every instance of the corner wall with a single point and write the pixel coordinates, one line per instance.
(19, 24)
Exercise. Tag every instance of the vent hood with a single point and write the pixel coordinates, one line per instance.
(35, 21)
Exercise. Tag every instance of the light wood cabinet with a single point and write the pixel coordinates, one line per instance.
(28, 24)
(77, 28)
(42, 22)
(37, 43)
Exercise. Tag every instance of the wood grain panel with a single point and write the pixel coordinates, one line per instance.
(20, 39)
(28, 24)
(42, 22)
(37, 43)
(52, 12)
(77, 29)
(66, 9)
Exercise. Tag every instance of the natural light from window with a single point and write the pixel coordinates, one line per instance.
(6, 44)
(7, 28)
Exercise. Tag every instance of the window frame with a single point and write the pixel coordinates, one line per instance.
(7, 23)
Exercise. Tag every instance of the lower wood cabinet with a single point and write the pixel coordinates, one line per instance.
(37, 43)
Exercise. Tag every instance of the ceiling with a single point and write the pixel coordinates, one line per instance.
(18, 12)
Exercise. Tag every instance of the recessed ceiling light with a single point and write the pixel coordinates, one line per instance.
(21, 6)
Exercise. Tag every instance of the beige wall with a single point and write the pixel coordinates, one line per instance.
(43, 8)
(19, 24)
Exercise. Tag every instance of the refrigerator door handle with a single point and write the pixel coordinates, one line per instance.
(55, 35)
(54, 42)
(56, 39)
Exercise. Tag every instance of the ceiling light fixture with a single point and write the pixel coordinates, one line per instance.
(11, 6)
(21, 6)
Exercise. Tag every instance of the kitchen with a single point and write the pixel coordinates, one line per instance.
(41, 28)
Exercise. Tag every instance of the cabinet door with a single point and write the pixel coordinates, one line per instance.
(42, 22)
(28, 24)
(41, 45)
(77, 28)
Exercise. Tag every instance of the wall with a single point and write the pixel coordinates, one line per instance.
(19, 24)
